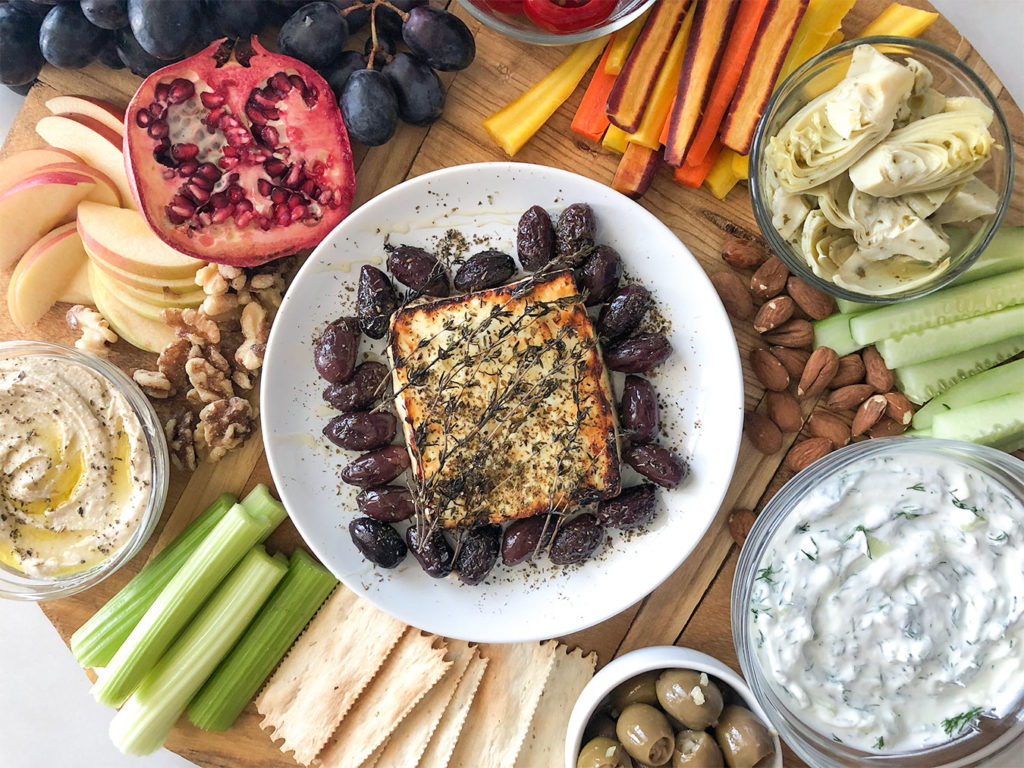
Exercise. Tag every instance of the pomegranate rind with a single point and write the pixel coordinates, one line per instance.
(317, 136)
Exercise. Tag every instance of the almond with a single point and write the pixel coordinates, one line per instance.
(851, 371)
(762, 432)
(805, 453)
(784, 410)
(887, 427)
(734, 294)
(740, 523)
(849, 397)
(817, 304)
(824, 424)
(773, 313)
(818, 373)
(899, 407)
(769, 371)
(868, 414)
(794, 359)
(875, 371)
(795, 333)
(743, 254)
(770, 278)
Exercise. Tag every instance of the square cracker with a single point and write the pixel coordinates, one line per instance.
(446, 734)
(412, 668)
(325, 672)
(504, 705)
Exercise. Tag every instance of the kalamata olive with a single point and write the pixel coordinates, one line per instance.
(637, 354)
(603, 752)
(377, 541)
(576, 540)
(336, 350)
(638, 415)
(525, 536)
(696, 749)
(364, 389)
(624, 310)
(633, 508)
(657, 464)
(535, 239)
(361, 431)
(377, 467)
(390, 503)
(419, 270)
(486, 269)
(600, 274)
(478, 553)
(375, 302)
(744, 740)
(645, 733)
(574, 234)
(431, 550)
(636, 690)
(690, 697)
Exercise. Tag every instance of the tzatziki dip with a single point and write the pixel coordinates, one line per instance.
(888, 610)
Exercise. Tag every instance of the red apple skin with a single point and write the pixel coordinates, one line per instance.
(86, 106)
(97, 144)
(14, 168)
(111, 197)
(43, 274)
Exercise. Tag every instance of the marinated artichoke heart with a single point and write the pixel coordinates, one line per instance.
(937, 151)
(834, 130)
(923, 100)
(966, 203)
(895, 230)
(825, 246)
(788, 210)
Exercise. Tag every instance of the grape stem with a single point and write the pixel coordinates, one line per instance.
(373, 35)
(396, 9)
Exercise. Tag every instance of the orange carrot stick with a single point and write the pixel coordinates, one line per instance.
(591, 119)
(694, 175)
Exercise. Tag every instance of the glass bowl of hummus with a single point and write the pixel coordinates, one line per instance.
(83, 470)
(881, 169)
(878, 607)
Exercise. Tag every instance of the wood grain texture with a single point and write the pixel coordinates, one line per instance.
(692, 606)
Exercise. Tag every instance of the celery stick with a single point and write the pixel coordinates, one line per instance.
(96, 641)
(924, 381)
(1005, 380)
(244, 525)
(148, 716)
(834, 332)
(998, 422)
(264, 644)
(952, 338)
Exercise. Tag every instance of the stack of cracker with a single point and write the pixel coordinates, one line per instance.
(360, 689)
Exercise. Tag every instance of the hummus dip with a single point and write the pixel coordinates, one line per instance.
(75, 472)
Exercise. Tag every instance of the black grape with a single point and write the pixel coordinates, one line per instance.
(355, 18)
(389, 23)
(165, 30)
(106, 14)
(315, 34)
(138, 60)
(439, 38)
(339, 70)
(33, 9)
(418, 88)
(369, 106)
(20, 60)
(67, 39)
(109, 57)
(236, 18)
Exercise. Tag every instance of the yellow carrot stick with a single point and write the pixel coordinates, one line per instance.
(900, 20)
(620, 47)
(721, 178)
(615, 139)
(821, 20)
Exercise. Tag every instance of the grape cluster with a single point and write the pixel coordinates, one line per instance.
(375, 87)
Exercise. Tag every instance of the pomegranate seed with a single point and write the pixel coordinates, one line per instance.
(233, 178)
(262, 99)
(157, 129)
(213, 119)
(168, 174)
(308, 188)
(244, 205)
(295, 200)
(282, 215)
(188, 169)
(227, 163)
(295, 177)
(197, 193)
(267, 135)
(184, 151)
(275, 168)
(254, 113)
(243, 219)
(162, 89)
(229, 151)
(211, 99)
(317, 170)
(175, 217)
(235, 194)
(336, 202)
(143, 118)
(182, 206)
(279, 195)
(297, 82)
(264, 223)
(219, 200)
(223, 214)
(299, 212)
(180, 91)
(271, 113)
(205, 218)
(264, 187)
(324, 197)
(202, 183)
(281, 82)
(209, 171)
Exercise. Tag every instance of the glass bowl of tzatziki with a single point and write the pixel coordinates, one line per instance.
(881, 169)
(878, 607)
(83, 470)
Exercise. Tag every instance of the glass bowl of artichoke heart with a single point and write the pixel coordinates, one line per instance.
(881, 169)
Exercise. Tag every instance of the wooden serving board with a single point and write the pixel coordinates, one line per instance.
(692, 607)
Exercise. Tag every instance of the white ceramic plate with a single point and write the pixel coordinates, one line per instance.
(700, 387)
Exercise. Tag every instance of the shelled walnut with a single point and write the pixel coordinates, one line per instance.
(96, 334)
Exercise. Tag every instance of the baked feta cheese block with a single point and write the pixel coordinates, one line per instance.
(505, 402)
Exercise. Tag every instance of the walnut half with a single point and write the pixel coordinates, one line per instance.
(96, 333)
(225, 424)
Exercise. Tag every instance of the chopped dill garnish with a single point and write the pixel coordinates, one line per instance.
(918, 487)
(767, 574)
(804, 528)
(880, 743)
(955, 725)
(960, 504)
(907, 515)
(808, 555)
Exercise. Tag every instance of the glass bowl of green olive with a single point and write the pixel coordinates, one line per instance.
(669, 707)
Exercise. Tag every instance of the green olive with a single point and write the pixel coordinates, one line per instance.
(636, 690)
(696, 749)
(603, 753)
(645, 733)
(690, 697)
(599, 725)
(744, 740)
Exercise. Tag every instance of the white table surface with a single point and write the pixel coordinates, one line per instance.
(48, 718)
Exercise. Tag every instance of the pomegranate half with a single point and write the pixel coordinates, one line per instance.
(237, 155)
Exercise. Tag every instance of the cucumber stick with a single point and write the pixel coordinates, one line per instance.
(943, 307)
(1003, 380)
(951, 339)
(923, 381)
(998, 422)
(834, 332)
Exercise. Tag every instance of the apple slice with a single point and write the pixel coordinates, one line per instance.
(159, 298)
(123, 239)
(179, 285)
(78, 290)
(95, 143)
(104, 112)
(146, 303)
(37, 204)
(108, 193)
(21, 164)
(44, 273)
(139, 331)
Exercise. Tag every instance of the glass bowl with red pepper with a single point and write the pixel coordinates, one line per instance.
(556, 22)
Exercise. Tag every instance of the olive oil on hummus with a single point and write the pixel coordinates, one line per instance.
(75, 471)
